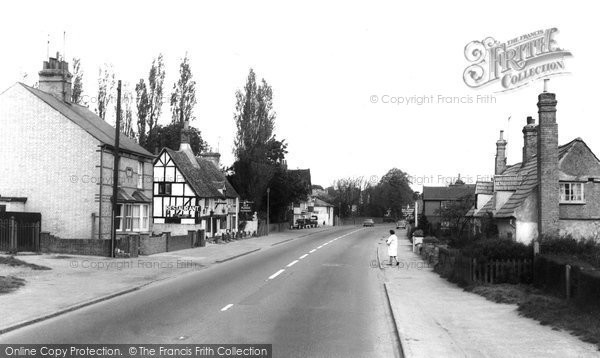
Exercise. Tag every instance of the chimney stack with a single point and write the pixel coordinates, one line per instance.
(184, 144)
(547, 165)
(500, 154)
(55, 78)
(529, 140)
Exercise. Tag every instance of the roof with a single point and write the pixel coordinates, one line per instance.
(319, 202)
(204, 178)
(90, 122)
(136, 197)
(484, 187)
(527, 180)
(444, 193)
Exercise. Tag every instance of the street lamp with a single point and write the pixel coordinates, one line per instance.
(268, 199)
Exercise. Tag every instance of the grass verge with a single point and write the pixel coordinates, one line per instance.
(14, 262)
(552, 311)
(10, 283)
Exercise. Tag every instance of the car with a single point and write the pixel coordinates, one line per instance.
(401, 224)
(368, 222)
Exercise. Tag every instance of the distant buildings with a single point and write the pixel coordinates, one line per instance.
(554, 190)
(436, 198)
(57, 160)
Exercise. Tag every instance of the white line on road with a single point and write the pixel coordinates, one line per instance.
(276, 274)
(226, 307)
(320, 247)
(292, 263)
(311, 251)
(303, 256)
(325, 244)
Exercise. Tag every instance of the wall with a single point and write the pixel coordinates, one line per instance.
(526, 219)
(52, 244)
(153, 244)
(505, 229)
(580, 229)
(177, 229)
(44, 156)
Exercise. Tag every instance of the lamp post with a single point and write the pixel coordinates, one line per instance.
(268, 202)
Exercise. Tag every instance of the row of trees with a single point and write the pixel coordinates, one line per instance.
(356, 196)
(148, 101)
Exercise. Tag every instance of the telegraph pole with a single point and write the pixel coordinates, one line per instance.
(268, 200)
(113, 236)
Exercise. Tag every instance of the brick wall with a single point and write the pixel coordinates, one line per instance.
(94, 247)
(180, 242)
(150, 245)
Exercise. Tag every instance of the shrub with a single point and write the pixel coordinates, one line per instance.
(587, 251)
(417, 232)
(431, 240)
(497, 249)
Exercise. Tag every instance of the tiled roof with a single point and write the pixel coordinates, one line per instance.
(452, 192)
(487, 208)
(135, 197)
(484, 187)
(527, 181)
(205, 178)
(319, 202)
(507, 182)
(90, 122)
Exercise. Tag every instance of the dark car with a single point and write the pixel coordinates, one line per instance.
(368, 223)
(401, 224)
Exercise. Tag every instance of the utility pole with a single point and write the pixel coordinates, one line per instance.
(268, 202)
(113, 236)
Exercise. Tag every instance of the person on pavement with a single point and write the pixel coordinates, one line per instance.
(392, 243)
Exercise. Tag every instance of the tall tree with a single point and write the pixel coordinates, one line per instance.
(183, 98)
(77, 94)
(143, 108)
(106, 86)
(126, 111)
(169, 136)
(156, 79)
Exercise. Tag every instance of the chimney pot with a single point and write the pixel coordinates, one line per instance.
(55, 78)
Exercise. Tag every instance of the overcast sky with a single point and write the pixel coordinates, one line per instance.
(325, 61)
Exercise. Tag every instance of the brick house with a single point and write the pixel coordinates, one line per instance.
(554, 190)
(192, 193)
(435, 198)
(57, 157)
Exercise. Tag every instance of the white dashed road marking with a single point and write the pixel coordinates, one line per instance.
(311, 251)
(292, 263)
(226, 307)
(276, 274)
(303, 256)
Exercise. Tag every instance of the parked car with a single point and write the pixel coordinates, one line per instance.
(401, 224)
(368, 222)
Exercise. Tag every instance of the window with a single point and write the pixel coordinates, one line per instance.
(132, 217)
(164, 188)
(571, 193)
(140, 171)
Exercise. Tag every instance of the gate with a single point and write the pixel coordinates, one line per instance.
(20, 231)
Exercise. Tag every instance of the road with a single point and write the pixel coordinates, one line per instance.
(315, 296)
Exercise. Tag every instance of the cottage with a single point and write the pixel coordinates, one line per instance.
(323, 211)
(437, 197)
(554, 190)
(192, 193)
(57, 160)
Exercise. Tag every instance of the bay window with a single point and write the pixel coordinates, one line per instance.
(132, 217)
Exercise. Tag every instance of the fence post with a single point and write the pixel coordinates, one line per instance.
(568, 281)
(12, 235)
(36, 233)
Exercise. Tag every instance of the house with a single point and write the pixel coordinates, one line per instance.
(323, 211)
(191, 193)
(57, 161)
(554, 190)
(435, 198)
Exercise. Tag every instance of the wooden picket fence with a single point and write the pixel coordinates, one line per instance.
(470, 270)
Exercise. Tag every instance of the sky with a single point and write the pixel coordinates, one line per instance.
(335, 68)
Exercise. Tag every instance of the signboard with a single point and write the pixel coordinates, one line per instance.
(246, 206)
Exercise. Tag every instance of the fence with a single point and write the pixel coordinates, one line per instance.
(471, 270)
(20, 231)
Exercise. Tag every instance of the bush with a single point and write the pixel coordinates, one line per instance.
(418, 232)
(431, 240)
(587, 251)
(497, 249)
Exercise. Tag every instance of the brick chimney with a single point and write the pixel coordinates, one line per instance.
(529, 139)
(500, 154)
(212, 157)
(184, 144)
(55, 78)
(547, 165)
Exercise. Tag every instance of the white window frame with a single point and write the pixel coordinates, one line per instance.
(127, 219)
(568, 195)
(140, 183)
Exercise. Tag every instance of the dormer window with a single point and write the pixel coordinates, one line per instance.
(571, 193)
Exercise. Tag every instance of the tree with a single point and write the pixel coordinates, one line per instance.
(183, 98)
(394, 191)
(156, 79)
(106, 86)
(77, 94)
(142, 104)
(169, 136)
(452, 213)
(126, 112)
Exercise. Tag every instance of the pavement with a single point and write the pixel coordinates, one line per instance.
(436, 318)
(77, 281)
(315, 296)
